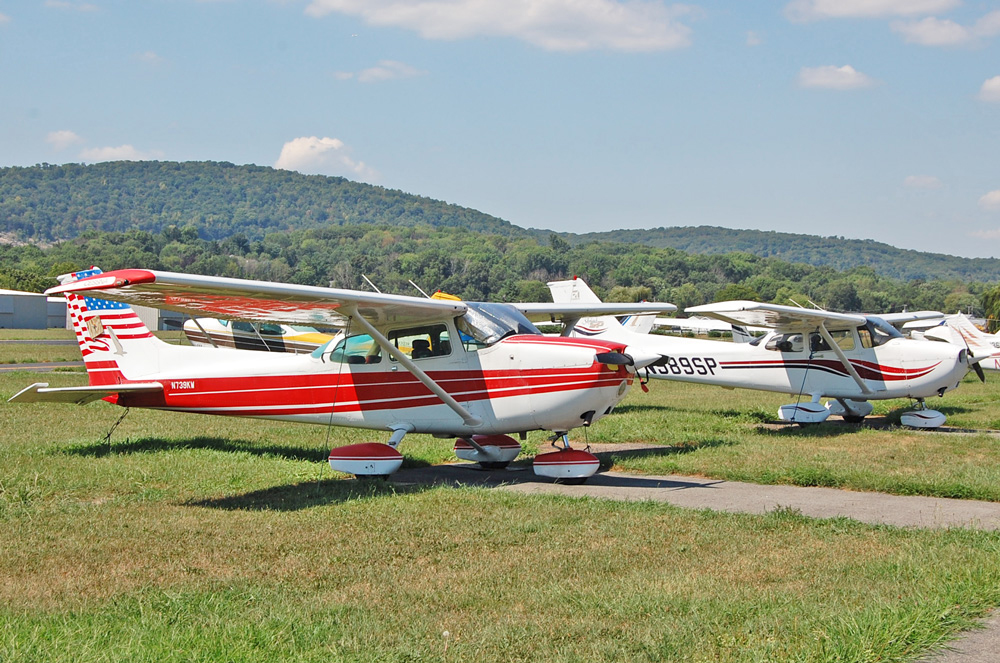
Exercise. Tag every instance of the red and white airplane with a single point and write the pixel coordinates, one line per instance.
(851, 359)
(473, 371)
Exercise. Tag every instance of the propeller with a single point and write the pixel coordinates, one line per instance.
(973, 362)
(635, 358)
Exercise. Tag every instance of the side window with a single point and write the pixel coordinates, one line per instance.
(422, 342)
(243, 327)
(270, 328)
(844, 339)
(785, 343)
(357, 349)
(817, 343)
(866, 337)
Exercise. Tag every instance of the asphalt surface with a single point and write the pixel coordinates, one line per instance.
(975, 646)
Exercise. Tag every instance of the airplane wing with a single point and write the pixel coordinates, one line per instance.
(41, 392)
(217, 296)
(556, 312)
(897, 319)
(776, 316)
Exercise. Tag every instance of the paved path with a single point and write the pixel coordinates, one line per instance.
(975, 646)
(732, 496)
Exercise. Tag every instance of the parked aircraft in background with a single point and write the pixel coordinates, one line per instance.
(812, 354)
(958, 329)
(267, 336)
(484, 370)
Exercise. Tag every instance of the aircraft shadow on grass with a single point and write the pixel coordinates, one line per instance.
(757, 416)
(633, 408)
(162, 445)
(609, 457)
(298, 496)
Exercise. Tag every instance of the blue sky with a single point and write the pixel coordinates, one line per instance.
(872, 119)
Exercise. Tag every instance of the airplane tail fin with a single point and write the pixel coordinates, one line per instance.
(576, 291)
(638, 324)
(107, 333)
(977, 341)
(741, 334)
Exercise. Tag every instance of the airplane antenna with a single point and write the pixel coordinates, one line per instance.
(816, 306)
(374, 287)
(795, 302)
(419, 290)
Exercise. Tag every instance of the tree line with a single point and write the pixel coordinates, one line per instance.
(488, 267)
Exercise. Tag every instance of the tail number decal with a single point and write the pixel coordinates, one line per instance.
(687, 366)
(182, 384)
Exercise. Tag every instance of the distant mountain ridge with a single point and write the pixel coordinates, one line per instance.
(47, 203)
(836, 252)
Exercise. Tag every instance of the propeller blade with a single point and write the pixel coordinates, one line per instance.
(979, 372)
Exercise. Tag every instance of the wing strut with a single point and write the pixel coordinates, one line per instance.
(408, 364)
(865, 389)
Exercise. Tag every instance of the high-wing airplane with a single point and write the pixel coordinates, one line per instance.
(473, 371)
(268, 336)
(851, 359)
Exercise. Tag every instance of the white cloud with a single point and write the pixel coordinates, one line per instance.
(986, 234)
(74, 6)
(988, 26)
(120, 153)
(150, 58)
(4, 19)
(753, 39)
(386, 70)
(814, 10)
(990, 91)
(555, 25)
(60, 140)
(991, 201)
(321, 156)
(932, 31)
(834, 78)
(922, 182)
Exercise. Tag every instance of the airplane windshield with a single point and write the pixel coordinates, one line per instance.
(484, 324)
(878, 332)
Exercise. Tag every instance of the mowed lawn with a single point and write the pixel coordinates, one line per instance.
(189, 538)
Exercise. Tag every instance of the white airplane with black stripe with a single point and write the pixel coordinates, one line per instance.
(851, 359)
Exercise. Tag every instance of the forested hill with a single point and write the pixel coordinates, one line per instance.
(836, 252)
(47, 203)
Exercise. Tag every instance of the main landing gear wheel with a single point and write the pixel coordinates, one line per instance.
(368, 460)
(851, 411)
(492, 452)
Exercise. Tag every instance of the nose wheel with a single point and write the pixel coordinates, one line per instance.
(567, 465)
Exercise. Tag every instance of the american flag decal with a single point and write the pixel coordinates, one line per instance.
(94, 320)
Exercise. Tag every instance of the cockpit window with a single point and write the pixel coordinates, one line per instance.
(877, 331)
(484, 324)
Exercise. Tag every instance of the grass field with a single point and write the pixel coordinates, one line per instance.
(189, 538)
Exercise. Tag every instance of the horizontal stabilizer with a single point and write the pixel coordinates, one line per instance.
(40, 392)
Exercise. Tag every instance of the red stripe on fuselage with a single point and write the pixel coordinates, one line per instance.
(300, 394)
